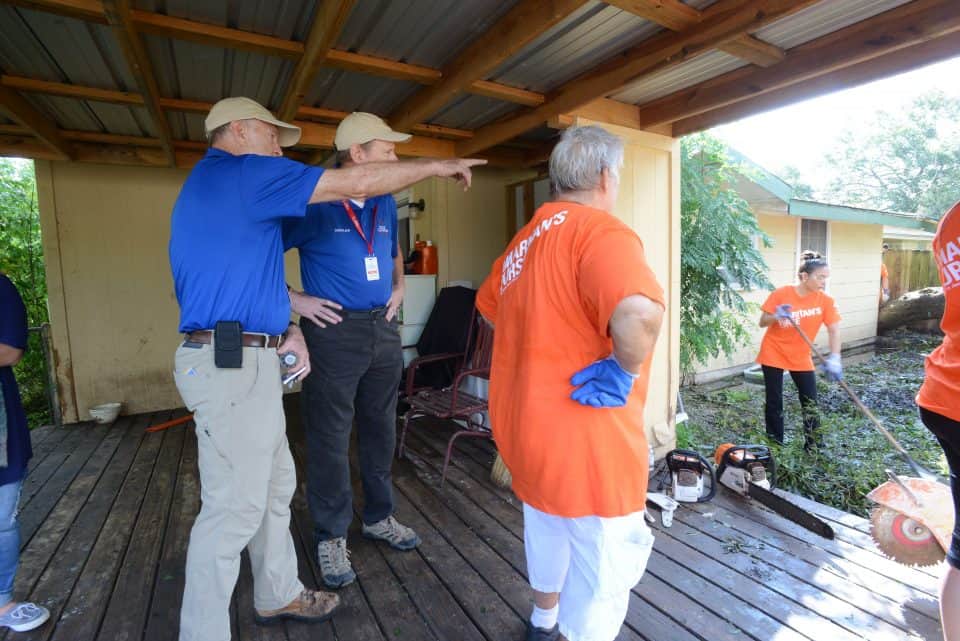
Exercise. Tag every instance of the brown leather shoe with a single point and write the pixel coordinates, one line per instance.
(312, 606)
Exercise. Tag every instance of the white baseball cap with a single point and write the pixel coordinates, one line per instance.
(361, 127)
(240, 108)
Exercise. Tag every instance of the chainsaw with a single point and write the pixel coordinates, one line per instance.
(913, 520)
(681, 474)
(749, 470)
(692, 479)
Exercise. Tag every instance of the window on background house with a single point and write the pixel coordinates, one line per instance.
(813, 235)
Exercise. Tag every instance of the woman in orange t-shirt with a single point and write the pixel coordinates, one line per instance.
(939, 401)
(783, 348)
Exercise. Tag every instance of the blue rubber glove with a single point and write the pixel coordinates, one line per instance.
(832, 368)
(783, 311)
(603, 383)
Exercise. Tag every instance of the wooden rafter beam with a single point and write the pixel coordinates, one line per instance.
(900, 61)
(87, 10)
(16, 107)
(225, 37)
(33, 85)
(520, 26)
(117, 13)
(723, 21)
(899, 28)
(125, 150)
(677, 16)
(329, 20)
(608, 111)
(193, 106)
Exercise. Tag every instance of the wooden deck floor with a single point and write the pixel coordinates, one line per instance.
(106, 514)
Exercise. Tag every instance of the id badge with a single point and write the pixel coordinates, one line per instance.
(372, 267)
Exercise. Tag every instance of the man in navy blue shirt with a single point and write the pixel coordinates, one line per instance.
(226, 255)
(352, 272)
(15, 451)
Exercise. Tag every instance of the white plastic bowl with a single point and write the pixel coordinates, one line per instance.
(106, 413)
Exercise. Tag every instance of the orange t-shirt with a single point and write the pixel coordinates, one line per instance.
(884, 273)
(782, 347)
(940, 391)
(550, 297)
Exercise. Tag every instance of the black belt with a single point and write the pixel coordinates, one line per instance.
(362, 314)
(205, 337)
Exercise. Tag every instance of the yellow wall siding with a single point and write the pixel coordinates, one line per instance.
(469, 228)
(854, 258)
(112, 304)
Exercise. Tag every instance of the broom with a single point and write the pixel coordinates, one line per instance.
(499, 474)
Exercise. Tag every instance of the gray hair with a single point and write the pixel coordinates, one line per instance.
(343, 156)
(581, 155)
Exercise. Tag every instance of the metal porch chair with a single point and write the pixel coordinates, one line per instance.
(452, 403)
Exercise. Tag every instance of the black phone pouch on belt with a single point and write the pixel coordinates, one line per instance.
(228, 344)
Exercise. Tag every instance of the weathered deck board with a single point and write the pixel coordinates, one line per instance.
(108, 511)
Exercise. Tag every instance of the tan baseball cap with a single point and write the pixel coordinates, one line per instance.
(240, 108)
(360, 127)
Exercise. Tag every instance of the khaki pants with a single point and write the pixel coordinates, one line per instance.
(247, 479)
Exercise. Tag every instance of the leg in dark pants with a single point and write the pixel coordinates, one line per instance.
(376, 405)
(947, 432)
(806, 383)
(773, 408)
(340, 356)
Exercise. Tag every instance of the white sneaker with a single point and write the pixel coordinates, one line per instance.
(334, 561)
(400, 537)
(25, 616)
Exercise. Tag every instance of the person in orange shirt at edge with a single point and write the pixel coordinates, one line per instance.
(884, 278)
(784, 349)
(939, 401)
(576, 311)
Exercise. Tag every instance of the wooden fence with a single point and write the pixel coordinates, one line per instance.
(910, 269)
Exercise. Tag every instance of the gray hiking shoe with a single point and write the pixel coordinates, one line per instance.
(542, 634)
(400, 537)
(334, 561)
(25, 616)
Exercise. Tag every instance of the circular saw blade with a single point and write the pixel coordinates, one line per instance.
(903, 539)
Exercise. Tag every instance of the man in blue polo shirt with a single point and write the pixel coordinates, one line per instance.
(352, 273)
(15, 451)
(226, 255)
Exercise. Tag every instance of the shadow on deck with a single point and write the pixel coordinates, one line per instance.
(107, 510)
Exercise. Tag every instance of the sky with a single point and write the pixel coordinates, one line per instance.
(801, 133)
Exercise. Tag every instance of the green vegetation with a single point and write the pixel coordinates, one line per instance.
(854, 455)
(21, 259)
(719, 254)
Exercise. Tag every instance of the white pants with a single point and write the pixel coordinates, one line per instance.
(593, 562)
(247, 479)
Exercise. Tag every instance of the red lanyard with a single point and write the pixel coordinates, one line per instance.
(356, 224)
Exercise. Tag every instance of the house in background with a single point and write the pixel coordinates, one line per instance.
(850, 237)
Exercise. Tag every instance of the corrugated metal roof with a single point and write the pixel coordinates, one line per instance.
(426, 32)
(288, 19)
(470, 111)
(821, 19)
(348, 91)
(422, 32)
(786, 33)
(686, 74)
(585, 39)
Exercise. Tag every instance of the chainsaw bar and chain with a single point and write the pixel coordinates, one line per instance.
(788, 510)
